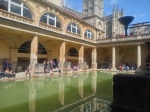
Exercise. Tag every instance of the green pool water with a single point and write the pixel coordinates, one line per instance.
(82, 92)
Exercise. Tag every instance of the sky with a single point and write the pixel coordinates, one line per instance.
(139, 9)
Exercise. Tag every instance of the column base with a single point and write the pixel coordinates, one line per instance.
(113, 68)
(94, 66)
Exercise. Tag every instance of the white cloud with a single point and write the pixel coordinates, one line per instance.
(115, 1)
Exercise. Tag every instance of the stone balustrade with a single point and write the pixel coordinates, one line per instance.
(50, 27)
(73, 34)
(125, 38)
(12, 16)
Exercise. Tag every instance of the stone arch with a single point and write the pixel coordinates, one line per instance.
(128, 58)
(57, 16)
(73, 52)
(108, 59)
(31, 9)
(108, 29)
(99, 25)
(26, 47)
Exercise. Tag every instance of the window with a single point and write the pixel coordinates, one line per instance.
(50, 19)
(73, 28)
(88, 34)
(16, 6)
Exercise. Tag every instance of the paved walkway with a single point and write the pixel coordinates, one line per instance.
(40, 74)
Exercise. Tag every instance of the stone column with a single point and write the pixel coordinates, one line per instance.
(81, 54)
(113, 58)
(34, 50)
(94, 58)
(14, 57)
(62, 54)
(139, 57)
(81, 57)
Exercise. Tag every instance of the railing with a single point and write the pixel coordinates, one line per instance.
(50, 27)
(73, 34)
(85, 38)
(124, 38)
(15, 17)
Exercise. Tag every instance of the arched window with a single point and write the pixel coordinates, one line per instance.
(16, 6)
(50, 19)
(72, 52)
(88, 34)
(73, 28)
(26, 47)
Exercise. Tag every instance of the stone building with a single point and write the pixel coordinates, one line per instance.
(32, 31)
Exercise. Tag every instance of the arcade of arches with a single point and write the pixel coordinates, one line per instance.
(40, 49)
(38, 30)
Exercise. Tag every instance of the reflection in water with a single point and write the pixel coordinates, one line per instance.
(94, 81)
(32, 96)
(61, 90)
(80, 85)
(84, 93)
(93, 105)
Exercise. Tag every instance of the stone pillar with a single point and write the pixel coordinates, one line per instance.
(81, 57)
(138, 58)
(14, 57)
(81, 54)
(62, 54)
(113, 58)
(94, 58)
(34, 50)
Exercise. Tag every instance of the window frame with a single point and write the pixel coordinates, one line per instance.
(55, 19)
(88, 34)
(22, 6)
(73, 25)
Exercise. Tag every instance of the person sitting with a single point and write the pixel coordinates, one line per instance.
(27, 71)
(13, 73)
(7, 73)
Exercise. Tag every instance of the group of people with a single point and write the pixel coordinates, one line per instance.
(7, 71)
(50, 64)
(127, 67)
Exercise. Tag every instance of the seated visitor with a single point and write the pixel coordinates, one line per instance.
(27, 72)
(13, 73)
(7, 73)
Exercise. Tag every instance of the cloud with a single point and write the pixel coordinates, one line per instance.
(115, 1)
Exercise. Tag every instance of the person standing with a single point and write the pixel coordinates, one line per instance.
(45, 66)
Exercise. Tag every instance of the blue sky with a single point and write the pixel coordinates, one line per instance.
(140, 9)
